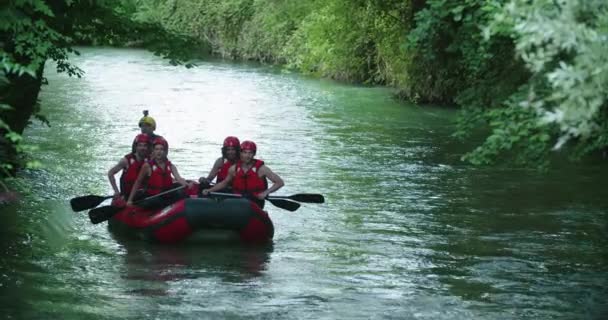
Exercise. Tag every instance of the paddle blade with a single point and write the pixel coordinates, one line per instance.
(285, 204)
(307, 197)
(102, 214)
(86, 202)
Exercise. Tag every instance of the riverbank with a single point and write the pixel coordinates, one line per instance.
(475, 55)
(488, 59)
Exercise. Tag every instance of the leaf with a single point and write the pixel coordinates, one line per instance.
(13, 137)
(5, 107)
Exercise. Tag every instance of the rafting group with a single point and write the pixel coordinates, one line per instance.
(146, 171)
(155, 203)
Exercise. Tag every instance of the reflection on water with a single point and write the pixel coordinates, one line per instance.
(156, 269)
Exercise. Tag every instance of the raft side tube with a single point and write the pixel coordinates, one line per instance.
(216, 213)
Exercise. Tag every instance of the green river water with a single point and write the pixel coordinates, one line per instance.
(407, 231)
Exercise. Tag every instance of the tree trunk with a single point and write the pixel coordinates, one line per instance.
(21, 93)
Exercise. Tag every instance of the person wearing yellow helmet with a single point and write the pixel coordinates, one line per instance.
(147, 124)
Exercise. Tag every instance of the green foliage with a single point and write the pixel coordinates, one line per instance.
(564, 102)
(271, 26)
(217, 23)
(452, 63)
(348, 40)
(533, 73)
(247, 29)
(356, 41)
(325, 45)
(566, 45)
(513, 129)
(34, 31)
(393, 21)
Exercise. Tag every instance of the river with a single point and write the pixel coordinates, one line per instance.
(408, 231)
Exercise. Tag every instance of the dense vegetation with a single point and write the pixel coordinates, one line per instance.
(534, 74)
(34, 31)
(531, 77)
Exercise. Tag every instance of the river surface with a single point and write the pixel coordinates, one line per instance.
(407, 231)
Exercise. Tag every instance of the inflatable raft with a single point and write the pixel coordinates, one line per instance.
(196, 220)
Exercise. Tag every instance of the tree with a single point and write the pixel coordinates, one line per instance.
(564, 45)
(31, 32)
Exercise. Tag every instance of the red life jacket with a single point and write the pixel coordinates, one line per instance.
(160, 179)
(223, 172)
(249, 182)
(130, 173)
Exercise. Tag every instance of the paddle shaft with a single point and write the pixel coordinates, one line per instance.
(303, 197)
(159, 194)
(104, 213)
(299, 197)
(281, 203)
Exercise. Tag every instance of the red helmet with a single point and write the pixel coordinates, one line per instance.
(161, 140)
(231, 141)
(141, 138)
(249, 145)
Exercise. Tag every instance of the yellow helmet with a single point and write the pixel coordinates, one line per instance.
(147, 120)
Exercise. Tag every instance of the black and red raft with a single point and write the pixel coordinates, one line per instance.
(196, 219)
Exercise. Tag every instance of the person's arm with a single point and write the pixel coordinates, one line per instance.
(277, 182)
(177, 177)
(145, 172)
(122, 164)
(213, 173)
(226, 182)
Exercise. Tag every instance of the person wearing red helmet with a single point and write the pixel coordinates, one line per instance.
(230, 155)
(158, 173)
(147, 125)
(249, 176)
(130, 165)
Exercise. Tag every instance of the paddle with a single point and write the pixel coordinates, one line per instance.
(104, 213)
(87, 202)
(281, 203)
(302, 197)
